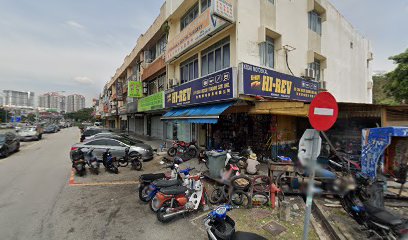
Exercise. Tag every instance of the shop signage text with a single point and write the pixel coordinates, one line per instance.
(119, 91)
(135, 89)
(223, 9)
(264, 82)
(214, 87)
(152, 102)
(195, 32)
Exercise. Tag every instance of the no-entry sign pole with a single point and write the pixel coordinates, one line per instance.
(323, 114)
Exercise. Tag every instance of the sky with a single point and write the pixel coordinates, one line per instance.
(76, 45)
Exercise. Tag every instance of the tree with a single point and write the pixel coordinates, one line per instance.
(397, 83)
(85, 114)
(379, 94)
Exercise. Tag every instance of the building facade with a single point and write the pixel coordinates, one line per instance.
(239, 71)
(52, 100)
(18, 99)
(75, 102)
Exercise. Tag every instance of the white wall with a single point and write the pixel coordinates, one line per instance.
(346, 72)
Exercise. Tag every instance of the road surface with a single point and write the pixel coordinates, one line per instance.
(36, 201)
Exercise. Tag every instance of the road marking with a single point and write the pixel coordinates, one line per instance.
(73, 183)
(324, 111)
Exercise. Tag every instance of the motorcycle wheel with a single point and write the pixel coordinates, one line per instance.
(172, 152)
(216, 196)
(192, 152)
(137, 165)
(162, 211)
(123, 163)
(144, 193)
(240, 198)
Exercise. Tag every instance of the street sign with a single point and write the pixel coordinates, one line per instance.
(323, 111)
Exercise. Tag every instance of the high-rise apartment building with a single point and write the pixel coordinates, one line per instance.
(75, 102)
(52, 100)
(18, 98)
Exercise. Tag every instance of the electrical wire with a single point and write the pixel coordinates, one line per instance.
(287, 62)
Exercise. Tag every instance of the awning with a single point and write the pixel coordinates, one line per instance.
(199, 114)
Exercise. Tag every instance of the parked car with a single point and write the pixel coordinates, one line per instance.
(51, 129)
(111, 135)
(9, 142)
(90, 131)
(117, 147)
(30, 133)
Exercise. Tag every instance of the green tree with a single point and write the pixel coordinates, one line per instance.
(379, 94)
(85, 114)
(397, 80)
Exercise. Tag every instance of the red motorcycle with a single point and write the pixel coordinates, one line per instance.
(172, 206)
(181, 148)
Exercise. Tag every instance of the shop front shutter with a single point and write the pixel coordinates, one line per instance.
(139, 126)
(157, 127)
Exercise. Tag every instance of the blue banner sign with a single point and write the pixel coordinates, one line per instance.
(215, 87)
(264, 82)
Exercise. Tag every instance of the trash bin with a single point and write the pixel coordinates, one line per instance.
(216, 162)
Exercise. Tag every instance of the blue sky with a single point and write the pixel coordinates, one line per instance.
(76, 45)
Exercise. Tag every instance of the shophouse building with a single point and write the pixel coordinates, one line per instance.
(243, 72)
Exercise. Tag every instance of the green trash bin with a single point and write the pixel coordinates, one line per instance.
(216, 162)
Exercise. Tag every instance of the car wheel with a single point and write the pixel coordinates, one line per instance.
(5, 152)
(18, 147)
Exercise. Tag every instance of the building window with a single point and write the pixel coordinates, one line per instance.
(271, 1)
(267, 53)
(160, 82)
(205, 4)
(161, 46)
(189, 69)
(315, 22)
(216, 57)
(189, 16)
(316, 67)
(152, 87)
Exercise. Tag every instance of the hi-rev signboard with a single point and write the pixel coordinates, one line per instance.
(214, 87)
(264, 82)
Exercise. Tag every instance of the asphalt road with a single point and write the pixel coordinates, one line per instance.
(36, 201)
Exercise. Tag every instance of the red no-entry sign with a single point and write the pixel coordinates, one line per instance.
(323, 111)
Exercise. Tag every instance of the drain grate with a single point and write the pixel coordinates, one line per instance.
(274, 228)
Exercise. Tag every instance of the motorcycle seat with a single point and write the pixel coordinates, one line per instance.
(382, 216)
(152, 176)
(166, 183)
(174, 190)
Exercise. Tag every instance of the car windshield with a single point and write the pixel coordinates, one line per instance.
(28, 129)
(127, 141)
(2, 138)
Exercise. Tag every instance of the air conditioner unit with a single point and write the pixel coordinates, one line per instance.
(171, 83)
(310, 73)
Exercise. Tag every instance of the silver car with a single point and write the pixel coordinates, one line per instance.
(117, 147)
(30, 133)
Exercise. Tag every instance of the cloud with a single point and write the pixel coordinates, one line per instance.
(84, 80)
(75, 24)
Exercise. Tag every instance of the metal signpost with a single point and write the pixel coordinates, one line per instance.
(323, 114)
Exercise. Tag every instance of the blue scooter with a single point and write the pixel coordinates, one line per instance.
(220, 226)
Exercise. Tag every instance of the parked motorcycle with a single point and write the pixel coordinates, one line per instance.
(108, 162)
(172, 202)
(160, 185)
(92, 161)
(134, 158)
(78, 162)
(220, 226)
(182, 148)
(380, 222)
